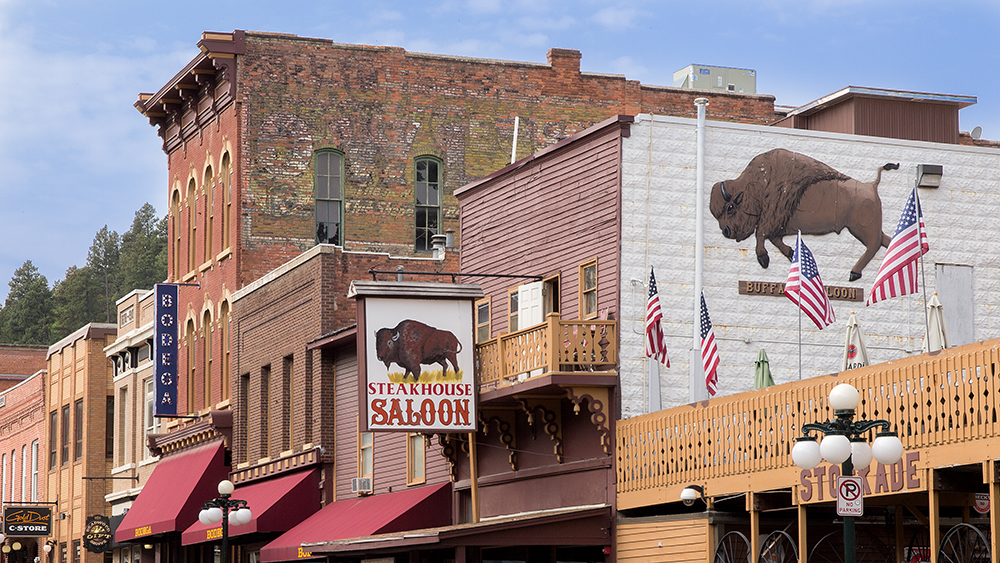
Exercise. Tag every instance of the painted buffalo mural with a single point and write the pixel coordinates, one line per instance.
(781, 192)
(412, 343)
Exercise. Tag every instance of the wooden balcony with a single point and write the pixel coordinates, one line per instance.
(580, 347)
(943, 405)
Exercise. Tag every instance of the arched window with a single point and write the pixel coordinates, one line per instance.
(192, 199)
(227, 194)
(189, 338)
(427, 195)
(329, 180)
(210, 214)
(224, 337)
(207, 327)
(175, 231)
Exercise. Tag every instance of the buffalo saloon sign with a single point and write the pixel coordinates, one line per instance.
(777, 289)
(32, 521)
(415, 356)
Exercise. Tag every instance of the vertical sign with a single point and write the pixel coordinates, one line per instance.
(850, 502)
(165, 350)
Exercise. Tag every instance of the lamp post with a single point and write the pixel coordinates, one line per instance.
(229, 511)
(844, 443)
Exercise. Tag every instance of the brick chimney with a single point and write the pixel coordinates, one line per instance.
(563, 60)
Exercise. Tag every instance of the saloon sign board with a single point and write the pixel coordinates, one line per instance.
(415, 350)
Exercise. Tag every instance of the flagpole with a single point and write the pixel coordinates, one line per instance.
(798, 251)
(698, 390)
(923, 273)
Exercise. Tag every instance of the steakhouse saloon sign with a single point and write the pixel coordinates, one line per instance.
(416, 346)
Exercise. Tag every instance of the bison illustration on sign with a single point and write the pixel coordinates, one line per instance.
(781, 192)
(412, 343)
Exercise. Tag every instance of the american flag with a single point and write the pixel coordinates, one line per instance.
(898, 273)
(709, 351)
(805, 288)
(656, 342)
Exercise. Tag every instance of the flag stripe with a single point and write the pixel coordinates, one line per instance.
(709, 350)
(898, 273)
(656, 341)
(804, 287)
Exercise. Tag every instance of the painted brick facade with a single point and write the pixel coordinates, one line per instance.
(22, 445)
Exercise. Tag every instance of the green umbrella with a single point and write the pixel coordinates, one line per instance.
(762, 372)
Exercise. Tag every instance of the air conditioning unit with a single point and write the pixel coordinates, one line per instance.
(362, 485)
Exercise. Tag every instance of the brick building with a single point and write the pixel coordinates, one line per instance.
(80, 406)
(22, 454)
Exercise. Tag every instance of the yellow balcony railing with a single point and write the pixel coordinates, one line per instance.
(944, 404)
(555, 345)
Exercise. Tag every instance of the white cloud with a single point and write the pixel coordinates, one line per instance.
(547, 24)
(616, 17)
(485, 6)
(628, 66)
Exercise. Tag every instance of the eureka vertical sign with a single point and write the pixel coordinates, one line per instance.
(165, 350)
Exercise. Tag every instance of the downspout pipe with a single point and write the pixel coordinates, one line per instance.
(697, 390)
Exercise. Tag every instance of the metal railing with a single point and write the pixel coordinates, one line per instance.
(946, 398)
(555, 345)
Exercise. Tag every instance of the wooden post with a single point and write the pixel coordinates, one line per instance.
(474, 477)
(552, 336)
(933, 510)
(754, 527)
(990, 469)
(803, 529)
(899, 533)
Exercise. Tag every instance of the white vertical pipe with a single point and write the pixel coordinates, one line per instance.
(697, 390)
(513, 147)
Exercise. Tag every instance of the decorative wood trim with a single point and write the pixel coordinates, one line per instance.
(551, 422)
(505, 424)
(597, 399)
(286, 464)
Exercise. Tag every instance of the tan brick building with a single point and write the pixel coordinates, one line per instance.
(80, 404)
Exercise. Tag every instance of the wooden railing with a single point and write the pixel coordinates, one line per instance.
(950, 397)
(555, 345)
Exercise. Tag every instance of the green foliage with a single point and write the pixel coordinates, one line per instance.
(27, 314)
(35, 314)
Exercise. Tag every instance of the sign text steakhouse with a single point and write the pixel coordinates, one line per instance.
(411, 404)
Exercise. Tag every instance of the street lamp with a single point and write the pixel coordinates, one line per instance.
(844, 443)
(229, 511)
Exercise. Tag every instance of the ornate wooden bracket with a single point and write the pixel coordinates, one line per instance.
(452, 446)
(597, 401)
(504, 424)
(228, 67)
(550, 422)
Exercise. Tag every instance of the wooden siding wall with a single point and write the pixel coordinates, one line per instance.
(685, 541)
(945, 405)
(389, 447)
(898, 120)
(548, 217)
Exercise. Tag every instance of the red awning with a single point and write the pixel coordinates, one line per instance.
(364, 516)
(175, 492)
(277, 505)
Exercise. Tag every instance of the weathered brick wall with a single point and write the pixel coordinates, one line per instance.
(21, 360)
(382, 107)
(658, 230)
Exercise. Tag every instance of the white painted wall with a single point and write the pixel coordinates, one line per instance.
(963, 226)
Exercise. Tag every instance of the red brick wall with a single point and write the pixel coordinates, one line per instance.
(22, 421)
(21, 360)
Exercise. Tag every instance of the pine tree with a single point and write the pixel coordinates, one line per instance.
(78, 300)
(143, 252)
(103, 260)
(27, 313)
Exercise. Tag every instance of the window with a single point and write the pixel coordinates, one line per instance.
(206, 325)
(3, 486)
(224, 319)
(65, 435)
(588, 289)
(34, 471)
(78, 430)
(189, 342)
(265, 412)
(151, 423)
(550, 295)
(123, 431)
(366, 447)
(175, 228)
(288, 405)
(24, 472)
(329, 182)
(227, 193)
(109, 427)
(512, 308)
(192, 200)
(483, 320)
(76, 551)
(415, 463)
(243, 414)
(427, 191)
(53, 442)
(209, 185)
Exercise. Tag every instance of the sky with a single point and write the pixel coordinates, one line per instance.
(75, 155)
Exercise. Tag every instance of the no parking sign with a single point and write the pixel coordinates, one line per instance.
(849, 499)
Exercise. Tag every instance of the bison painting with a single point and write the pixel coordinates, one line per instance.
(781, 192)
(412, 343)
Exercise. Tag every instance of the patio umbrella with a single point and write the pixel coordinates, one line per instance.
(762, 372)
(937, 335)
(855, 353)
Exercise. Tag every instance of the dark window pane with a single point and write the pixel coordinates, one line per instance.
(432, 171)
(421, 170)
(432, 221)
(421, 218)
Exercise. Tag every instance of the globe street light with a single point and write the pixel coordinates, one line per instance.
(844, 443)
(229, 511)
